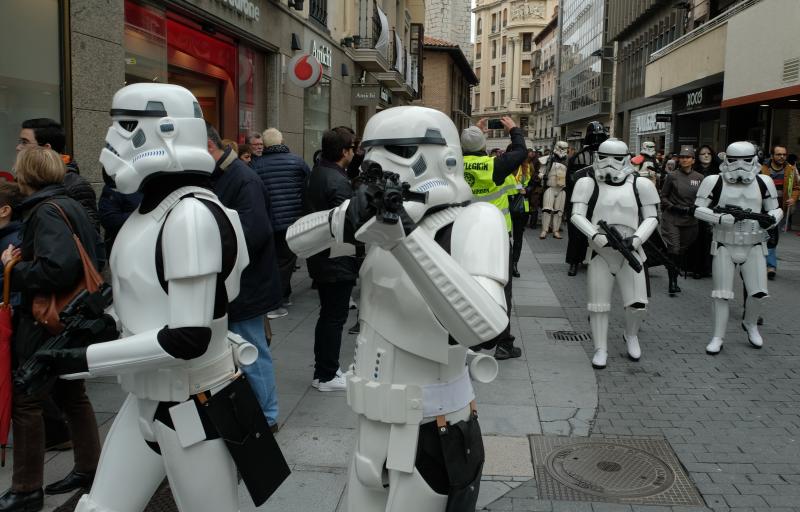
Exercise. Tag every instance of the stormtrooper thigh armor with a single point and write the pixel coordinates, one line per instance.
(201, 473)
(739, 244)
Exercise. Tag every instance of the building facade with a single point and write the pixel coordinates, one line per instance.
(585, 68)
(232, 55)
(448, 79)
(502, 53)
(639, 29)
(542, 129)
(450, 20)
(728, 82)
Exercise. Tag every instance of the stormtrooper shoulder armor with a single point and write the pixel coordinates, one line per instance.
(706, 190)
(191, 241)
(772, 192)
(584, 188)
(481, 225)
(648, 194)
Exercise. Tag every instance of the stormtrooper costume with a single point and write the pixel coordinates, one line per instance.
(426, 295)
(555, 179)
(617, 197)
(175, 264)
(738, 243)
(649, 167)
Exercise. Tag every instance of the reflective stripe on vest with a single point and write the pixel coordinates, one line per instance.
(478, 172)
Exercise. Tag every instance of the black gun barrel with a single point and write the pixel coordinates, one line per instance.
(617, 243)
(739, 213)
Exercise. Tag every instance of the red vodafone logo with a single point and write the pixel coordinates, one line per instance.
(304, 70)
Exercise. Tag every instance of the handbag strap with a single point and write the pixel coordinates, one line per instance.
(62, 214)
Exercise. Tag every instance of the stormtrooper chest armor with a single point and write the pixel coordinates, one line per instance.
(143, 305)
(616, 205)
(401, 340)
(748, 197)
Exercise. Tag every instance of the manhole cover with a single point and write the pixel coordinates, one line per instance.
(569, 335)
(610, 470)
(627, 470)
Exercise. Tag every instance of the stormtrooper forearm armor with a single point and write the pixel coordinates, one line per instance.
(649, 222)
(317, 231)
(464, 290)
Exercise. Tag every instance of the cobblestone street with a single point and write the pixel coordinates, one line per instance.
(732, 419)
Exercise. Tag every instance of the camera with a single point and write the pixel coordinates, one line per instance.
(495, 124)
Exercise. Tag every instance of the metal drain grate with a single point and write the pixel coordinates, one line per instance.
(632, 471)
(569, 336)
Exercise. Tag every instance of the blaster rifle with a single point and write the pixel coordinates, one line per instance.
(652, 250)
(764, 220)
(386, 193)
(617, 242)
(84, 322)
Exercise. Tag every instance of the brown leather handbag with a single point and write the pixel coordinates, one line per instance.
(46, 307)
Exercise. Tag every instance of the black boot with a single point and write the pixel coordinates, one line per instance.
(22, 501)
(573, 269)
(673, 275)
(514, 270)
(74, 480)
(506, 350)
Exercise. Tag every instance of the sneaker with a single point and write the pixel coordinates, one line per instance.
(277, 313)
(315, 382)
(335, 384)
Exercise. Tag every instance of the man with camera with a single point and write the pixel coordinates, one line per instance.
(486, 176)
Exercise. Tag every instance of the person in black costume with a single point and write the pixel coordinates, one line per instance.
(579, 166)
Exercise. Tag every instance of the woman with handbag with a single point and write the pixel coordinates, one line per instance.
(58, 258)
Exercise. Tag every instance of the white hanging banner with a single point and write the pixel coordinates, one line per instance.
(382, 44)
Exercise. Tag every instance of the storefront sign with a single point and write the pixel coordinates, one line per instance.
(365, 95)
(322, 52)
(244, 7)
(648, 122)
(304, 70)
(704, 97)
(663, 118)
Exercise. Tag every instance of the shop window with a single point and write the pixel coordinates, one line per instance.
(317, 117)
(318, 11)
(30, 70)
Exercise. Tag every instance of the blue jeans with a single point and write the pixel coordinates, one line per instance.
(261, 374)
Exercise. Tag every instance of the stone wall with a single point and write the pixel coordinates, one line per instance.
(97, 72)
(450, 20)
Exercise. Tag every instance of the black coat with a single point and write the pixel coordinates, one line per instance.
(239, 188)
(114, 209)
(50, 259)
(80, 190)
(284, 175)
(328, 187)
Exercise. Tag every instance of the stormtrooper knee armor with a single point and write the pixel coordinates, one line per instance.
(554, 177)
(431, 286)
(176, 262)
(616, 196)
(738, 242)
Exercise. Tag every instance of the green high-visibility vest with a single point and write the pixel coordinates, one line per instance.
(478, 172)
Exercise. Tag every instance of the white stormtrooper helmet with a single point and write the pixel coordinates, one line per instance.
(648, 148)
(422, 145)
(740, 164)
(157, 128)
(612, 162)
(561, 149)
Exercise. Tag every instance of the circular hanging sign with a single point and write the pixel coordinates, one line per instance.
(304, 70)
